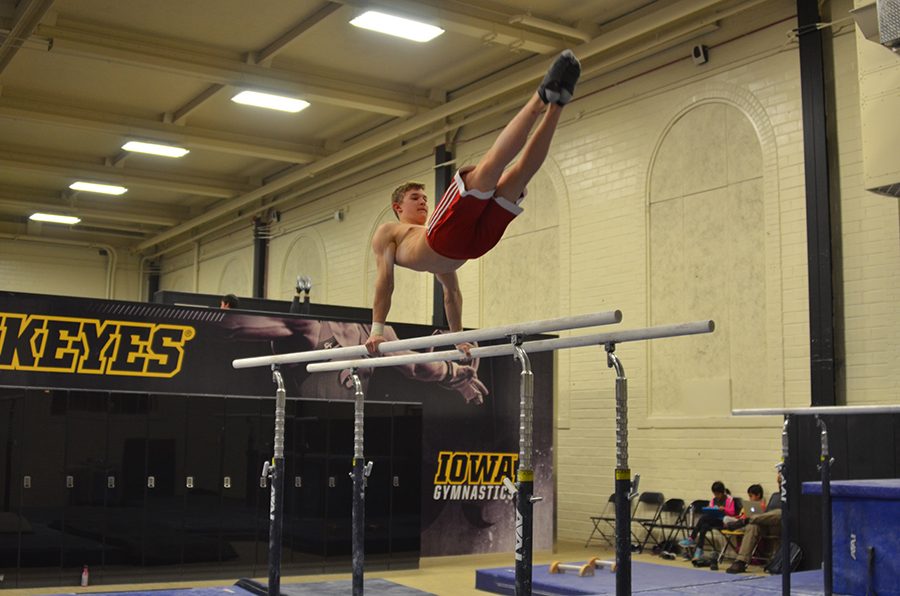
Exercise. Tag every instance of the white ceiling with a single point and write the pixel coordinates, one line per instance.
(80, 77)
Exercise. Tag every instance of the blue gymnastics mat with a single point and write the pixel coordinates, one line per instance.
(648, 578)
(381, 587)
(222, 591)
(340, 587)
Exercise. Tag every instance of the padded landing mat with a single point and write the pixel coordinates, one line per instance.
(244, 587)
(647, 578)
(382, 587)
(227, 591)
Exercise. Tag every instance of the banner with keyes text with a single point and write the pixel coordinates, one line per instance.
(470, 411)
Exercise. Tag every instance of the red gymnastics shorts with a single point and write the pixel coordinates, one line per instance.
(468, 223)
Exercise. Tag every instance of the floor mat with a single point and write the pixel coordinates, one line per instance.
(648, 578)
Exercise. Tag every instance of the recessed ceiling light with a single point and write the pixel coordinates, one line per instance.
(53, 218)
(155, 149)
(272, 102)
(105, 189)
(396, 26)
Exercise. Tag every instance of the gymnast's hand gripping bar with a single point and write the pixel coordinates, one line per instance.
(446, 339)
(543, 345)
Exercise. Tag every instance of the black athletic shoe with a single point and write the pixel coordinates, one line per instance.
(737, 567)
(558, 85)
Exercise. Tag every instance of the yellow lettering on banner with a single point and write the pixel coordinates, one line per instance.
(46, 343)
(474, 468)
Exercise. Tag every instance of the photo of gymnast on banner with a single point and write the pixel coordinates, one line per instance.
(470, 410)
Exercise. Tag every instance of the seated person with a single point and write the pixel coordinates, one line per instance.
(763, 525)
(723, 503)
(753, 506)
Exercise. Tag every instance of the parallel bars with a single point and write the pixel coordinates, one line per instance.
(525, 474)
(825, 461)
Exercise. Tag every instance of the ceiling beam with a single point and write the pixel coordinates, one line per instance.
(525, 75)
(487, 26)
(262, 56)
(194, 184)
(28, 14)
(135, 49)
(283, 40)
(9, 202)
(180, 115)
(37, 110)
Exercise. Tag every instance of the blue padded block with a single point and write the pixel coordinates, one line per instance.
(865, 513)
(645, 577)
(887, 488)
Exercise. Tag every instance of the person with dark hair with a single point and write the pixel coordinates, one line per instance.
(755, 493)
(753, 506)
(721, 505)
(229, 301)
(764, 525)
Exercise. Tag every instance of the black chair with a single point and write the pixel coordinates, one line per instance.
(606, 518)
(669, 522)
(647, 511)
(693, 514)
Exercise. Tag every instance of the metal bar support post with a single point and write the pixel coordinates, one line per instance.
(525, 498)
(825, 461)
(360, 472)
(785, 510)
(623, 477)
(275, 471)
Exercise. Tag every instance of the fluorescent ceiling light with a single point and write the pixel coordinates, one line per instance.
(273, 102)
(396, 26)
(104, 189)
(53, 218)
(155, 149)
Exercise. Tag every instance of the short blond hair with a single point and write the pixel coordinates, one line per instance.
(400, 192)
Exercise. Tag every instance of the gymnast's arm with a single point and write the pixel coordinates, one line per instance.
(453, 301)
(385, 249)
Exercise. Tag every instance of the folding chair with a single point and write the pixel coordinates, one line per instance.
(647, 511)
(669, 522)
(606, 518)
(691, 516)
(730, 538)
(696, 510)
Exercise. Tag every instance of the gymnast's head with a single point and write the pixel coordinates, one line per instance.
(410, 203)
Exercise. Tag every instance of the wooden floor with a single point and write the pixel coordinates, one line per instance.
(438, 575)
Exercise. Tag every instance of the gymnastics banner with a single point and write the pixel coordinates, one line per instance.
(470, 410)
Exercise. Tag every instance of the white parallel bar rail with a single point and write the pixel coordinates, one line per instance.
(446, 339)
(820, 411)
(543, 345)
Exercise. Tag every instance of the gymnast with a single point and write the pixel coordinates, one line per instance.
(479, 204)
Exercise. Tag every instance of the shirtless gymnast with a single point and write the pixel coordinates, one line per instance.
(479, 204)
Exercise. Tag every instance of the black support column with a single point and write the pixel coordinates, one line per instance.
(818, 204)
(443, 175)
(153, 280)
(260, 258)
